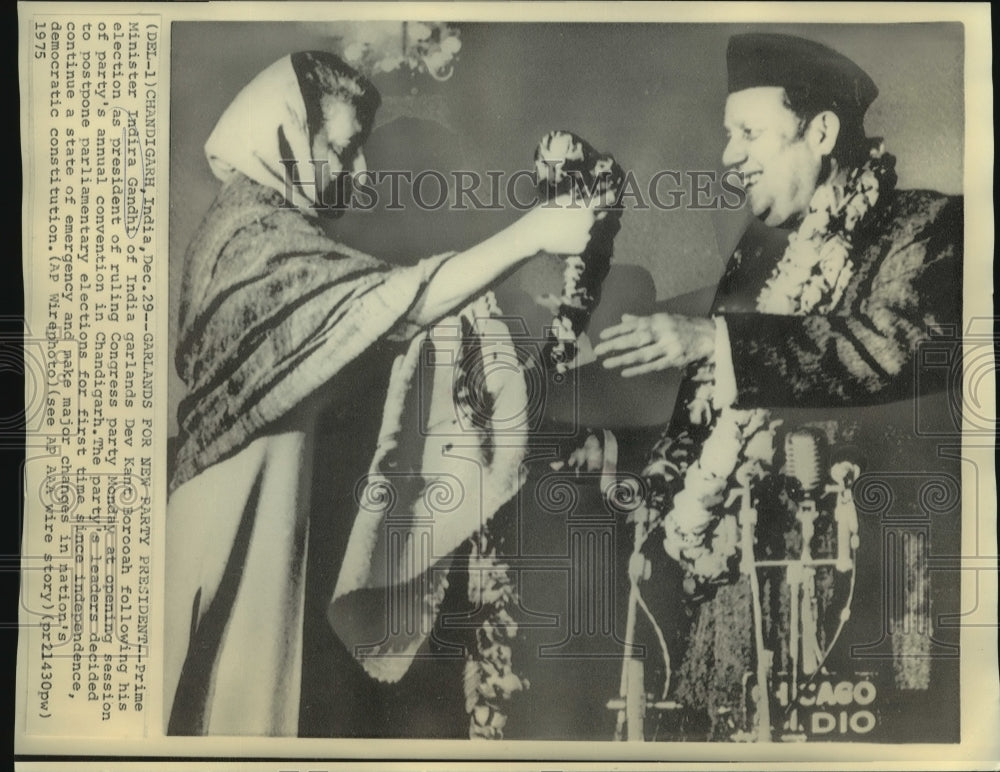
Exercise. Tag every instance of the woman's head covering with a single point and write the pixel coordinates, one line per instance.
(276, 116)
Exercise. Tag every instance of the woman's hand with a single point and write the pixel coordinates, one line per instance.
(645, 344)
(562, 226)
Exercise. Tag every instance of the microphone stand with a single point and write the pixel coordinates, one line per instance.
(748, 565)
(632, 702)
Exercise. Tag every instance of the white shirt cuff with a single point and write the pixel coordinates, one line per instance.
(725, 373)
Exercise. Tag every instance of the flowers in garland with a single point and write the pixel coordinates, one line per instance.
(489, 678)
(375, 47)
(815, 268)
(700, 524)
(700, 406)
(564, 163)
(740, 448)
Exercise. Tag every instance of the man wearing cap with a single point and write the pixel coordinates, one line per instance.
(806, 327)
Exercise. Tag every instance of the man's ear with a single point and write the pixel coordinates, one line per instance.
(823, 131)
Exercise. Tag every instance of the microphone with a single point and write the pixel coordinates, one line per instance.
(802, 463)
(802, 459)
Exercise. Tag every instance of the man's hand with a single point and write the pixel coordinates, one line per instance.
(645, 344)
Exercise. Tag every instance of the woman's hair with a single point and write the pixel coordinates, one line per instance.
(322, 74)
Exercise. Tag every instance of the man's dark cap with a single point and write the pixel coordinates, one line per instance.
(767, 59)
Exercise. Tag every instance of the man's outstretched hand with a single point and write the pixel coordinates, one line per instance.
(645, 344)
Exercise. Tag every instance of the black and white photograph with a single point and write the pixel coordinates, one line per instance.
(530, 386)
(565, 381)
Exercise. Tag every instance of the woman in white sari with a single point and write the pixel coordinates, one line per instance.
(274, 320)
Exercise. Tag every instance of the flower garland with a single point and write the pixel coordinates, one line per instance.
(816, 268)
(489, 678)
(811, 277)
(565, 162)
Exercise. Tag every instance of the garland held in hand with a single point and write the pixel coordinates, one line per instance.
(563, 163)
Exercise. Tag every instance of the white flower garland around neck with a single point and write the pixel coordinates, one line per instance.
(816, 267)
(811, 277)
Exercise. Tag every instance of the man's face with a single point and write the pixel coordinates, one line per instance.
(780, 168)
(337, 154)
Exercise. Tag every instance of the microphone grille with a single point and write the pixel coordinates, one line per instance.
(802, 458)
